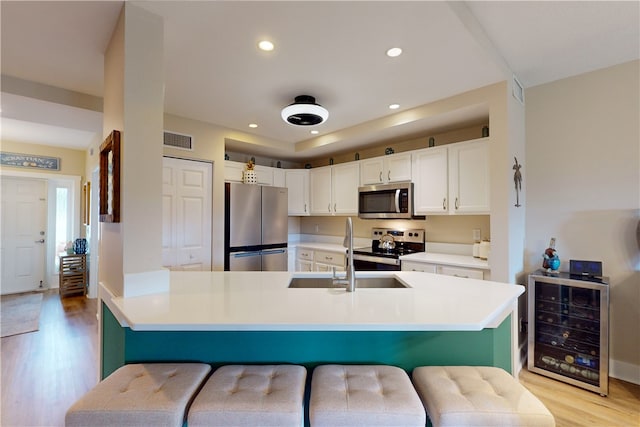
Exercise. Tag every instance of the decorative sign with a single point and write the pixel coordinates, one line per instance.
(30, 161)
(517, 179)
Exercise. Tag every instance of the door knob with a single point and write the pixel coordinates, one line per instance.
(39, 241)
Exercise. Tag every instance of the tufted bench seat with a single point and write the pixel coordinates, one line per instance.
(363, 395)
(251, 395)
(154, 394)
(477, 396)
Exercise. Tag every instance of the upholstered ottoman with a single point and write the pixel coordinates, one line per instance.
(477, 396)
(251, 395)
(363, 395)
(153, 394)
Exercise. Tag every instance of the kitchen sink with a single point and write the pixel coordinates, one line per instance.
(362, 282)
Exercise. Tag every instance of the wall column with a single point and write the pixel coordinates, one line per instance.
(131, 251)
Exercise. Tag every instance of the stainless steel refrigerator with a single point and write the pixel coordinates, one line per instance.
(256, 228)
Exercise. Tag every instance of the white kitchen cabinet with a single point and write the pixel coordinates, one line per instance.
(304, 259)
(469, 177)
(233, 171)
(418, 266)
(425, 267)
(279, 177)
(469, 273)
(334, 189)
(386, 169)
(430, 181)
(264, 174)
(327, 261)
(320, 191)
(297, 182)
(452, 179)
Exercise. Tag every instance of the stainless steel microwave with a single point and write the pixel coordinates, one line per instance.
(386, 201)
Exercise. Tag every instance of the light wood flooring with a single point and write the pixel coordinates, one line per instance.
(44, 372)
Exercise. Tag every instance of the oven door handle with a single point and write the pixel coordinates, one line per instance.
(379, 260)
(397, 200)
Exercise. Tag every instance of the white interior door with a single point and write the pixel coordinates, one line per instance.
(186, 215)
(22, 247)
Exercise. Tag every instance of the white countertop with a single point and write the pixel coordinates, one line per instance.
(447, 259)
(262, 301)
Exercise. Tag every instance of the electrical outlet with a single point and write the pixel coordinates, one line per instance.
(476, 234)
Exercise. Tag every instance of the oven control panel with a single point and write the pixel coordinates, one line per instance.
(408, 236)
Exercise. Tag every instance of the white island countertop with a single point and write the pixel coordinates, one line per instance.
(262, 301)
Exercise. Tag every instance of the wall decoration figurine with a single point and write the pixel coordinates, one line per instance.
(517, 179)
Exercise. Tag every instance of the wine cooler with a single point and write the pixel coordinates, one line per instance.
(569, 329)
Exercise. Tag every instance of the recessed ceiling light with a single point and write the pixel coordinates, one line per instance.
(314, 132)
(394, 106)
(253, 125)
(266, 45)
(394, 51)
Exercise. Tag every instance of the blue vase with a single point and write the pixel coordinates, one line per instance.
(80, 246)
(554, 263)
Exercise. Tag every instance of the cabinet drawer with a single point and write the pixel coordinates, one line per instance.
(332, 258)
(469, 273)
(418, 266)
(305, 254)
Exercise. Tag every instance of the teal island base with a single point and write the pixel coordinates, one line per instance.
(405, 349)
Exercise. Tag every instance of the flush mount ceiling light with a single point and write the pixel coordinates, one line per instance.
(304, 112)
(266, 45)
(393, 52)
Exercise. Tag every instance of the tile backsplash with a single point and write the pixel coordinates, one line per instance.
(439, 228)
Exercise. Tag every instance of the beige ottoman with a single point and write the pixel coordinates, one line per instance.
(477, 396)
(153, 394)
(363, 395)
(251, 395)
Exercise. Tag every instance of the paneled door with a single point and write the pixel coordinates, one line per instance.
(186, 215)
(22, 247)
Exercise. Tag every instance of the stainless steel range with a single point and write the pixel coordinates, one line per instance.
(387, 246)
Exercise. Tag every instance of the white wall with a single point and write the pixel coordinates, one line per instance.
(583, 187)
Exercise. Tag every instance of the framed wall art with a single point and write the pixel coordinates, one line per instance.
(110, 178)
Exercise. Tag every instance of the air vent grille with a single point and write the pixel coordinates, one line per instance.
(176, 140)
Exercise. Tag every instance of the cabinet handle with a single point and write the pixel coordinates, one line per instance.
(388, 175)
(457, 203)
(380, 179)
(335, 208)
(444, 204)
(329, 207)
(305, 208)
(330, 258)
(460, 275)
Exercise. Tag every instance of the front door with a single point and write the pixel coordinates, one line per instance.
(22, 247)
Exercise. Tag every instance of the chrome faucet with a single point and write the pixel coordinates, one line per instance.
(350, 278)
(348, 243)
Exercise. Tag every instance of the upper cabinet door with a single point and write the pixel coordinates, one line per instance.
(320, 191)
(344, 189)
(233, 171)
(385, 169)
(398, 167)
(469, 178)
(297, 181)
(430, 178)
(371, 171)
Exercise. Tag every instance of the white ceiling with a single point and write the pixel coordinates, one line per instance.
(332, 50)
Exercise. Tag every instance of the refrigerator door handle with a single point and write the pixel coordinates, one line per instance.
(273, 251)
(244, 254)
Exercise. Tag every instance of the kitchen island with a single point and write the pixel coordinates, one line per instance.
(254, 317)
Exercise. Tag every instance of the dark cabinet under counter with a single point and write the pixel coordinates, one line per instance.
(569, 329)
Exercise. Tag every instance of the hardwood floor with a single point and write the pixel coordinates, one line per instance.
(575, 407)
(44, 372)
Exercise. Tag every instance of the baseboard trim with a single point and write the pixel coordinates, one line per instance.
(624, 371)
